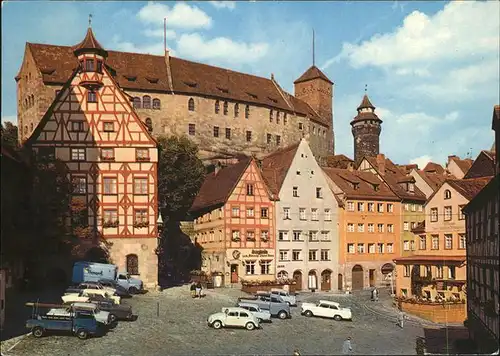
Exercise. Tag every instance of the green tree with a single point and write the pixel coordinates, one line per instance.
(9, 135)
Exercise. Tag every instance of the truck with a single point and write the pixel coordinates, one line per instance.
(84, 271)
(80, 324)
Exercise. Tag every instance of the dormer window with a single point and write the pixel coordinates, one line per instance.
(99, 66)
(376, 187)
(355, 186)
(411, 187)
(89, 65)
(447, 194)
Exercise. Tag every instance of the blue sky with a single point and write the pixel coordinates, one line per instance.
(432, 68)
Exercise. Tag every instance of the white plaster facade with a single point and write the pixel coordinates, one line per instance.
(305, 174)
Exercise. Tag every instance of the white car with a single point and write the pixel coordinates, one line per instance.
(233, 317)
(326, 309)
(84, 296)
(100, 316)
(261, 314)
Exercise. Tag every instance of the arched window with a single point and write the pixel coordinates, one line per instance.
(32, 100)
(25, 129)
(137, 102)
(31, 127)
(26, 103)
(447, 194)
(149, 124)
(217, 107)
(282, 274)
(247, 111)
(236, 110)
(191, 104)
(277, 117)
(146, 102)
(156, 104)
(270, 116)
(285, 119)
(132, 264)
(225, 107)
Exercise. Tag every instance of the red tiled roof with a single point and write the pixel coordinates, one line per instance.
(216, 188)
(366, 103)
(146, 72)
(434, 180)
(364, 182)
(338, 161)
(276, 165)
(432, 167)
(392, 175)
(483, 166)
(312, 73)
(488, 193)
(463, 164)
(468, 188)
(430, 258)
(89, 42)
(406, 168)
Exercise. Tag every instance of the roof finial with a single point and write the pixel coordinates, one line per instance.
(313, 47)
(90, 20)
(366, 88)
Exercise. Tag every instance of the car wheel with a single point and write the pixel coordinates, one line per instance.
(112, 318)
(133, 290)
(82, 334)
(337, 317)
(308, 313)
(37, 331)
(250, 326)
(282, 314)
(217, 324)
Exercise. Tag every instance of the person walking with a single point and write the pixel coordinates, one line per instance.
(193, 290)
(346, 346)
(375, 294)
(198, 289)
(401, 319)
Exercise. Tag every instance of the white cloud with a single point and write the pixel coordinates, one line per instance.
(159, 32)
(181, 15)
(223, 4)
(421, 161)
(221, 49)
(151, 48)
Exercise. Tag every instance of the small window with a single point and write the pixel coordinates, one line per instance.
(109, 185)
(146, 102)
(108, 154)
(249, 136)
(269, 138)
(108, 126)
(278, 140)
(78, 154)
(77, 126)
(247, 111)
(295, 192)
(91, 96)
(140, 186)
(216, 131)
(79, 185)
(285, 119)
(149, 124)
(136, 102)
(236, 110)
(250, 189)
(132, 264)
(225, 107)
(277, 117)
(270, 116)
(89, 65)
(99, 66)
(141, 217)
(228, 133)
(142, 154)
(192, 129)
(31, 127)
(156, 104)
(191, 104)
(301, 126)
(217, 106)
(319, 193)
(447, 194)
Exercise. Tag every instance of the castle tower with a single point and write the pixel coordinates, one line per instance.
(366, 128)
(91, 56)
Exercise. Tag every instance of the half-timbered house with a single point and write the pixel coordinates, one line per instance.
(234, 223)
(112, 159)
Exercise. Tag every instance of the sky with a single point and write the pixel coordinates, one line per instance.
(430, 68)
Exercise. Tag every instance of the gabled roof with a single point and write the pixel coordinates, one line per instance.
(275, 167)
(217, 187)
(433, 180)
(483, 166)
(338, 161)
(89, 43)
(432, 167)
(359, 185)
(468, 188)
(392, 176)
(463, 164)
(489, 192)
(146, 72)
(312, 73)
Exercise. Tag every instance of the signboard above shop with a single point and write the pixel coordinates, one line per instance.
(259, 253)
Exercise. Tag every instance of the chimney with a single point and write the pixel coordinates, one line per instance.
(218, 167)
(381, 163)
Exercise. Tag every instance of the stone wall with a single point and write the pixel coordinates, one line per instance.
(366, 140)
(438, 313)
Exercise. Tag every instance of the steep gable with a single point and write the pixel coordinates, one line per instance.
(483, 166)
(275, 167)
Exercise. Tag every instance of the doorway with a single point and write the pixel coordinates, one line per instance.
(340, 282)
(357, 278)
(297, 277)
(372, 277)
(326, 280)
(234, 273)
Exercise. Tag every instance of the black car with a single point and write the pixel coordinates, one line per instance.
(120, 291)
(116, 312)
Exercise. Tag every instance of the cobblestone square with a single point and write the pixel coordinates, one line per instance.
(181, 329)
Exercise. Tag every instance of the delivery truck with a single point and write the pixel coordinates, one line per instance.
(84, 271)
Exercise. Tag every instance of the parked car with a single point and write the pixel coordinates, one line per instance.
(286, 296)
(120, 291)
(86, 294)
(81, 324)
(116, 312)
(327, 309)
(90, 285)
(261, 314)
(85, 271)
(276, 306)
(100, 316)
(233, 317)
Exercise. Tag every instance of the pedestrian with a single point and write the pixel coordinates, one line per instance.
(198, 289)
(346, 346)
(375, 294)
(193, 290)
(401, 319)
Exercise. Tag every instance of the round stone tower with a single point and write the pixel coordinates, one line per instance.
(366, 128)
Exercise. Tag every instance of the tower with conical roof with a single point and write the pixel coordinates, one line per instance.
(366, 128)
(91, 56)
